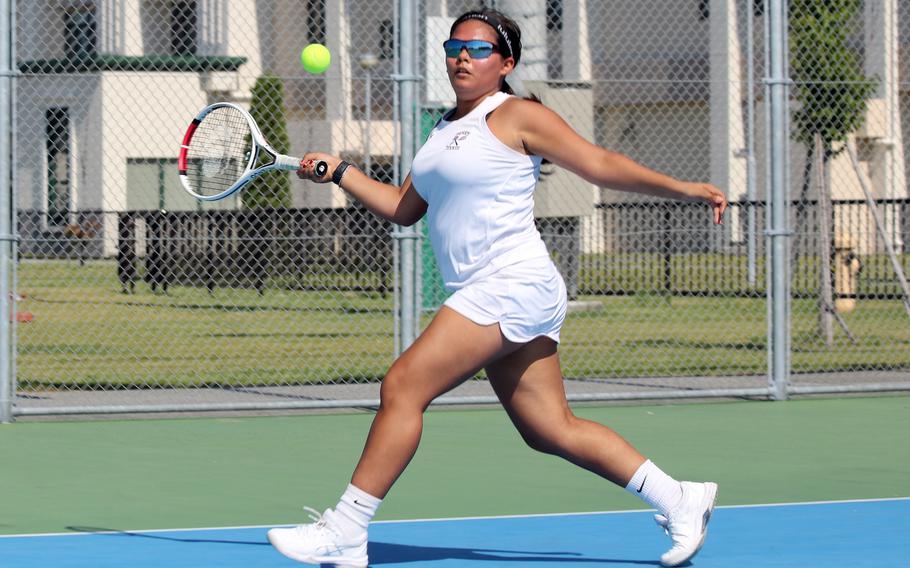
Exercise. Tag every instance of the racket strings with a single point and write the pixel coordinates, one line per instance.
(219, 151)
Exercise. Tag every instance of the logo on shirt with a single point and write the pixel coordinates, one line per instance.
(455, 144)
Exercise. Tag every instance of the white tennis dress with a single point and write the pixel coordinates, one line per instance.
(480, 214)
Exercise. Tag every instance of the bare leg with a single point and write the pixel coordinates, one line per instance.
(450, 350)
(529, 384)
(447, 353)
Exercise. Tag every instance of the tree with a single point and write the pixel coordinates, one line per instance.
(272, 189)
(832, 90)
(829, 83)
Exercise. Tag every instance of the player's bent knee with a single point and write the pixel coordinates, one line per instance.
(540, 444)
(551, 439)
(396, 392)
(545, 442)
(392, 391)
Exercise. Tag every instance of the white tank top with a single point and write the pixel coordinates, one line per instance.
(480, 197)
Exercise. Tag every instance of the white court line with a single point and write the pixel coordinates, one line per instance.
(623, 512)
(492, 517)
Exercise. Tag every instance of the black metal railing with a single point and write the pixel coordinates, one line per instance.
(310, 249)
(624, 248)
(675, 248)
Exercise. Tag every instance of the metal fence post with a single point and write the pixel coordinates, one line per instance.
(407, 236)
(7, 67)
(779, 233)
(751, 184)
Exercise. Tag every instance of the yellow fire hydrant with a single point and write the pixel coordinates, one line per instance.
(846, 270)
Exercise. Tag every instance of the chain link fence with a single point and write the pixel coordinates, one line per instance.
(131, 296)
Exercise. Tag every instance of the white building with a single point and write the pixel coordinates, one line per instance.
(108, 87)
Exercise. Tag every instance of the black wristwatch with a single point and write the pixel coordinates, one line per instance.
(339, 171)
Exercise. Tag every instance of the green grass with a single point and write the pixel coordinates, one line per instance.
(720, 273)
(88, 334)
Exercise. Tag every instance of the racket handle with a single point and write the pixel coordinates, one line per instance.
(291, 163)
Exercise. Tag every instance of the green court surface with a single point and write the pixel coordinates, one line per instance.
(207, 472)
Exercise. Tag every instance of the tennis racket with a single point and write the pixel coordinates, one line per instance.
(223, 150)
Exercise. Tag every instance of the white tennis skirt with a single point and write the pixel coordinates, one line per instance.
(527, 299)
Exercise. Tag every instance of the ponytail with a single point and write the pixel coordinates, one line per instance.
(505, 87)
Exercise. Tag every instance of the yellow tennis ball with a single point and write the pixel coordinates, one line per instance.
(315, 58)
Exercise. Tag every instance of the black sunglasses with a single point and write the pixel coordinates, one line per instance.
(477, 48)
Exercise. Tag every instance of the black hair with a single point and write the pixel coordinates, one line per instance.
(509, 37)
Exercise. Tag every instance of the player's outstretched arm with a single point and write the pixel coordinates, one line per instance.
(544, 133)
(400, 205)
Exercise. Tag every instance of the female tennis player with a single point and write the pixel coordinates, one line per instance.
(474, 180)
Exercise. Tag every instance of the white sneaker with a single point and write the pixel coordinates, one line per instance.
(687, 524)
(320, 542)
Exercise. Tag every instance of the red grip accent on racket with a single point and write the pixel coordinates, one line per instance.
(181, 160)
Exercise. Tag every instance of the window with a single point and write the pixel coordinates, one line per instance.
(57, 132)
(554, 15)
(79, 33)
(383, 171)
(153, 184)
(386, 46)
(183, 28)
(704, 8)
(554, 38)
(315, 25)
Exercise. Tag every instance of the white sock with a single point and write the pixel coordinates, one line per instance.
(655, 487)
(356, 509)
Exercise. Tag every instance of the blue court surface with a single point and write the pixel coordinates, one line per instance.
(849, 533)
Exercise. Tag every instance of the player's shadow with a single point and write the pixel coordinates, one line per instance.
(161, 536)
(390, 553)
